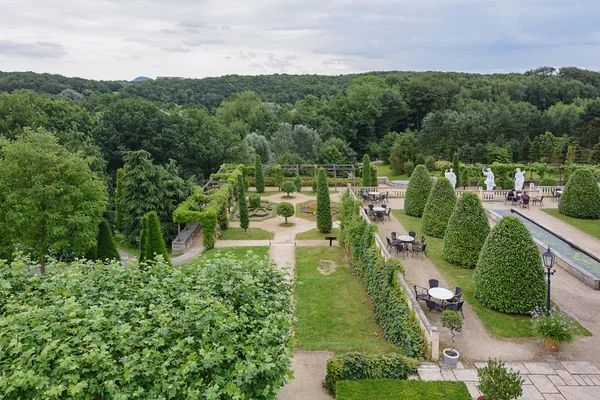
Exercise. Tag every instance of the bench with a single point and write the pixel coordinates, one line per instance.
(331, 239)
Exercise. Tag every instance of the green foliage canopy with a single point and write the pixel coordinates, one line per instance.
(417, 191)
(581, 197)
(106, 248)
(155, 244)
(288, 187)
(285, 209)
(438, 209)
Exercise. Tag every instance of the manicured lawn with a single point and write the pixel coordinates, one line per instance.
(333, 312)
(392, 389)
(250, 234)
(495, 322)
(314, 234)
(386, 170)
(314, 194)
(589, 226)
(237, 252)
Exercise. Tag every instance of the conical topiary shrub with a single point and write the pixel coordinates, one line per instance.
(581, 197)
(143, 237)
(417, 192)
(259, 174)
(510, 276)
(155, 244)
(324, 223)
(242, 203)
(467, 230)
(438, 208)
(366, 171)
(106, 248)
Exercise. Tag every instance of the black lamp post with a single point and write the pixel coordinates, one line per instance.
(548, 258)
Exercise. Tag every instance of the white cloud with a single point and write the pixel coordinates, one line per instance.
(112, 39)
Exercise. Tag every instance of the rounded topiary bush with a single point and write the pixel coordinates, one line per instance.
(467, 230)
(285, 209)
(581, 197)
(288, 187)
(547, 182)
(417, 192)
(438, 208)
(510, 276)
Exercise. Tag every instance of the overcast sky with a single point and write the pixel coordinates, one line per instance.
(123, 39)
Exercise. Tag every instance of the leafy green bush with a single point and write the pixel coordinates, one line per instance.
(439, 207)
(366, 171)
(106, 248)
(242, 204)
(259, 174)
(289, 187)
(396, 389)
(357, 366)
(581, 197)
(497, 382)
(155, 244)
(143, 238)
(467, 230)
(557, 326)
(285, 209)
(547, 182)
(409, 168)
(6, 245)
(254, 201)
(510, 276)
(374, 181)
(417, 191)
(95, 331)
(453, 321)
(298, 183)
(398, 322)
(430, 163)
(324, 222)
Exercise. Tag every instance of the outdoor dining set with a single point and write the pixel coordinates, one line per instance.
(377, 213)
(405, 244)
(439, 299)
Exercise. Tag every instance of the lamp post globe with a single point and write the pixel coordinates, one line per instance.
(548, 258)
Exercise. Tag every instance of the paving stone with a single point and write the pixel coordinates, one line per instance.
(429, 374)
(530, 392)
(568, 378)
(526, 380)
(519, 367)
(480, 365)
(554, 363)
(556, 380)
(543, 384)
(414, 378)
(587, 379)
(459, 365)
(554, 396)
(540, 368)
(466, 375)
(580, 392)
(580, 380)
(595, 379)
(448, 374)
(472, 386)
(581, 367)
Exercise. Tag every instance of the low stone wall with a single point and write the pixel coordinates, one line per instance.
(185, 238)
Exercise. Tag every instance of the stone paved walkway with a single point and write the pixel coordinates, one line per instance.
(551, 379)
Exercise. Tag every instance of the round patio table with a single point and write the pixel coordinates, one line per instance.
(441, 293)
(405, 238)
(378, 209)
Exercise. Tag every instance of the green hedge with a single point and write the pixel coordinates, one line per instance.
(357, 366)
(438, 209)
(467, 230)
(417, 191)
(398, 322)
(394, 389)
(581, 197)
(510, 276)
(254, 201)
(547, 182)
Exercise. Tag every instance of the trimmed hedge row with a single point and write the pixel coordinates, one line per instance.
(357, 366)
(439, 207)
(398, 322)
(417, 191)
(394, 389)
(547, 182)
(510, 276)
(581, 197)
(467, 230)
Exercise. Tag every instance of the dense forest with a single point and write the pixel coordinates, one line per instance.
(195, 125)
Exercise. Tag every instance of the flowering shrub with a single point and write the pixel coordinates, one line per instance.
(557, 326)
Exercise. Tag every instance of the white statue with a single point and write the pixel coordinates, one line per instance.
(489, 179)
(519, 179)
(451, 176)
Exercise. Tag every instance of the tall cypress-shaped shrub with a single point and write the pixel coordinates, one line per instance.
(323, 203)
(298, 183)
(417, 191)
(568, 163)
(467, 230)
(581, 197)
(438, 209)
(374, 181)
(242, 204)
(143, 237)
(366, 171)
(155, 244)
(106, 248)
(510, 276)
(456, 168)
(259, 173)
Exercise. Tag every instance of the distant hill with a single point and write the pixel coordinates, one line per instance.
(141, 79)
(53, 83)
